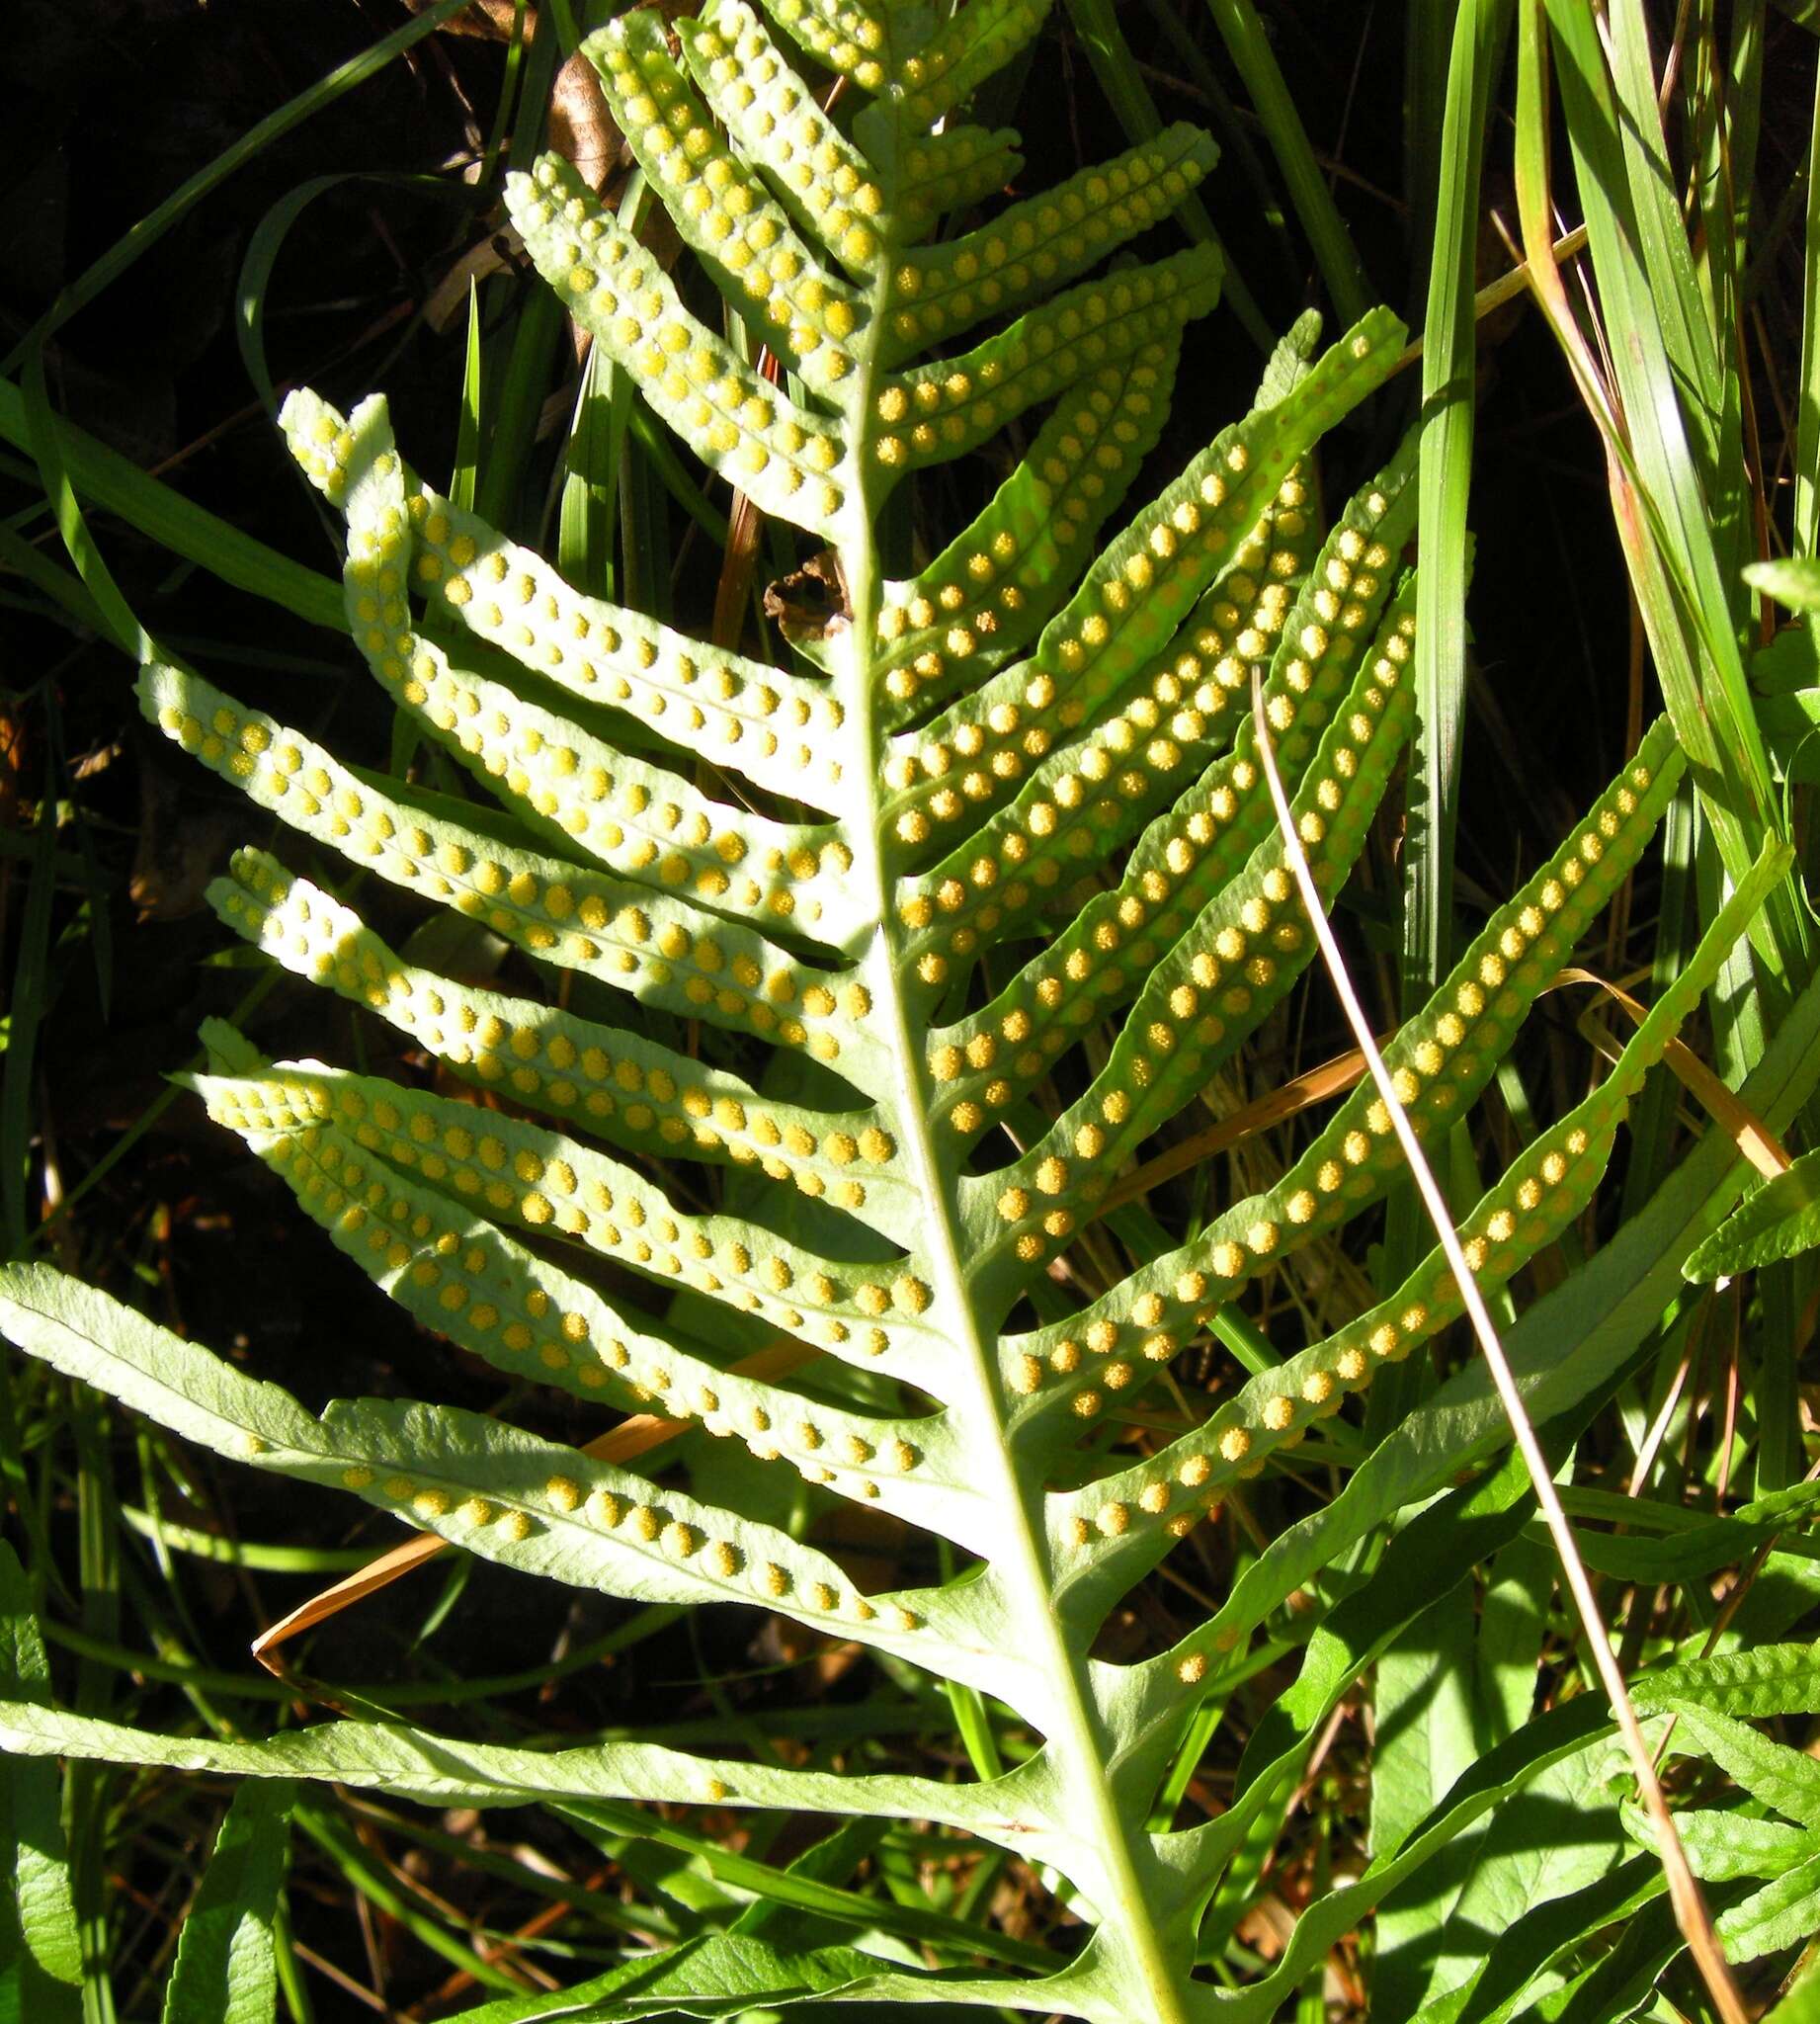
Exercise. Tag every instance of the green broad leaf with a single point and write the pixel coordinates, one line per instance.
(1724, 1846)
(1424, 1731)
(1789, 663)
(1771, 1772)
(1553, 1841)
(1792, 580)
(1513, 1631)
(1780, 1220)
(1784, 1913)
(1788, 720)
(225, 1971)
(1561, 1733)
(1528, 1959)
(1466, 1526)
(1766, 1680)
(1622, 1980)
(40, 1953)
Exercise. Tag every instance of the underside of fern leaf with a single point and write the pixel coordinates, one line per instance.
(1003, 802)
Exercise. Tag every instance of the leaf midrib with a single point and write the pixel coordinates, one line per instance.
(1020, 1565)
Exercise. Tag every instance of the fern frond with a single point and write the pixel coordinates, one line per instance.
(1188, 854)
(1109, 1530)
(1128, 611)
(779, 454)
(665, 952)
(607, 1080)
(1441, 1060)
(936, 412)
(994, 587)
(830, 932)
(939, 291)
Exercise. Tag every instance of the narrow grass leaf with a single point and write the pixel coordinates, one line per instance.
(268, 241)
(1095, 24)
(1249, 46)
(27, 1006)
(152, 228)
(1806, 531)
(106, 479)
(461, 479)
(44, 432)
(1449, 398)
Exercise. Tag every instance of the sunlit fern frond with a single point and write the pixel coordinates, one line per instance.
(1038, 749)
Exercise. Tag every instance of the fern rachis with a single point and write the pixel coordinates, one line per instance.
(812, 863)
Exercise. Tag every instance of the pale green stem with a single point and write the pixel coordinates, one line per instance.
(1073, 1732)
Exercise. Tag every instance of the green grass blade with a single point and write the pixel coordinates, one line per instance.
(803, 1892)
(71, 596)
(467, 429)
(1426, 40)
(153, 226)
(266, 244)
(45, 433)
(1695, 325)
(1337, 257)
(589, 501)
(1234, 137)
(27, 1005)
(536, 339)
(1095, 24)
(430, 1925)
(1687, 607)
(508, 97)
(525, 381)
(106, 479)
(1805, 537)
(1450, 341)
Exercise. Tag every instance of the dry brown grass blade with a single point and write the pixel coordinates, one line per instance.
(1690, 1906)
(1752, 1137)
(1312, 1086)
(1506, 289)
(1745, 1130)
(632, 1437)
